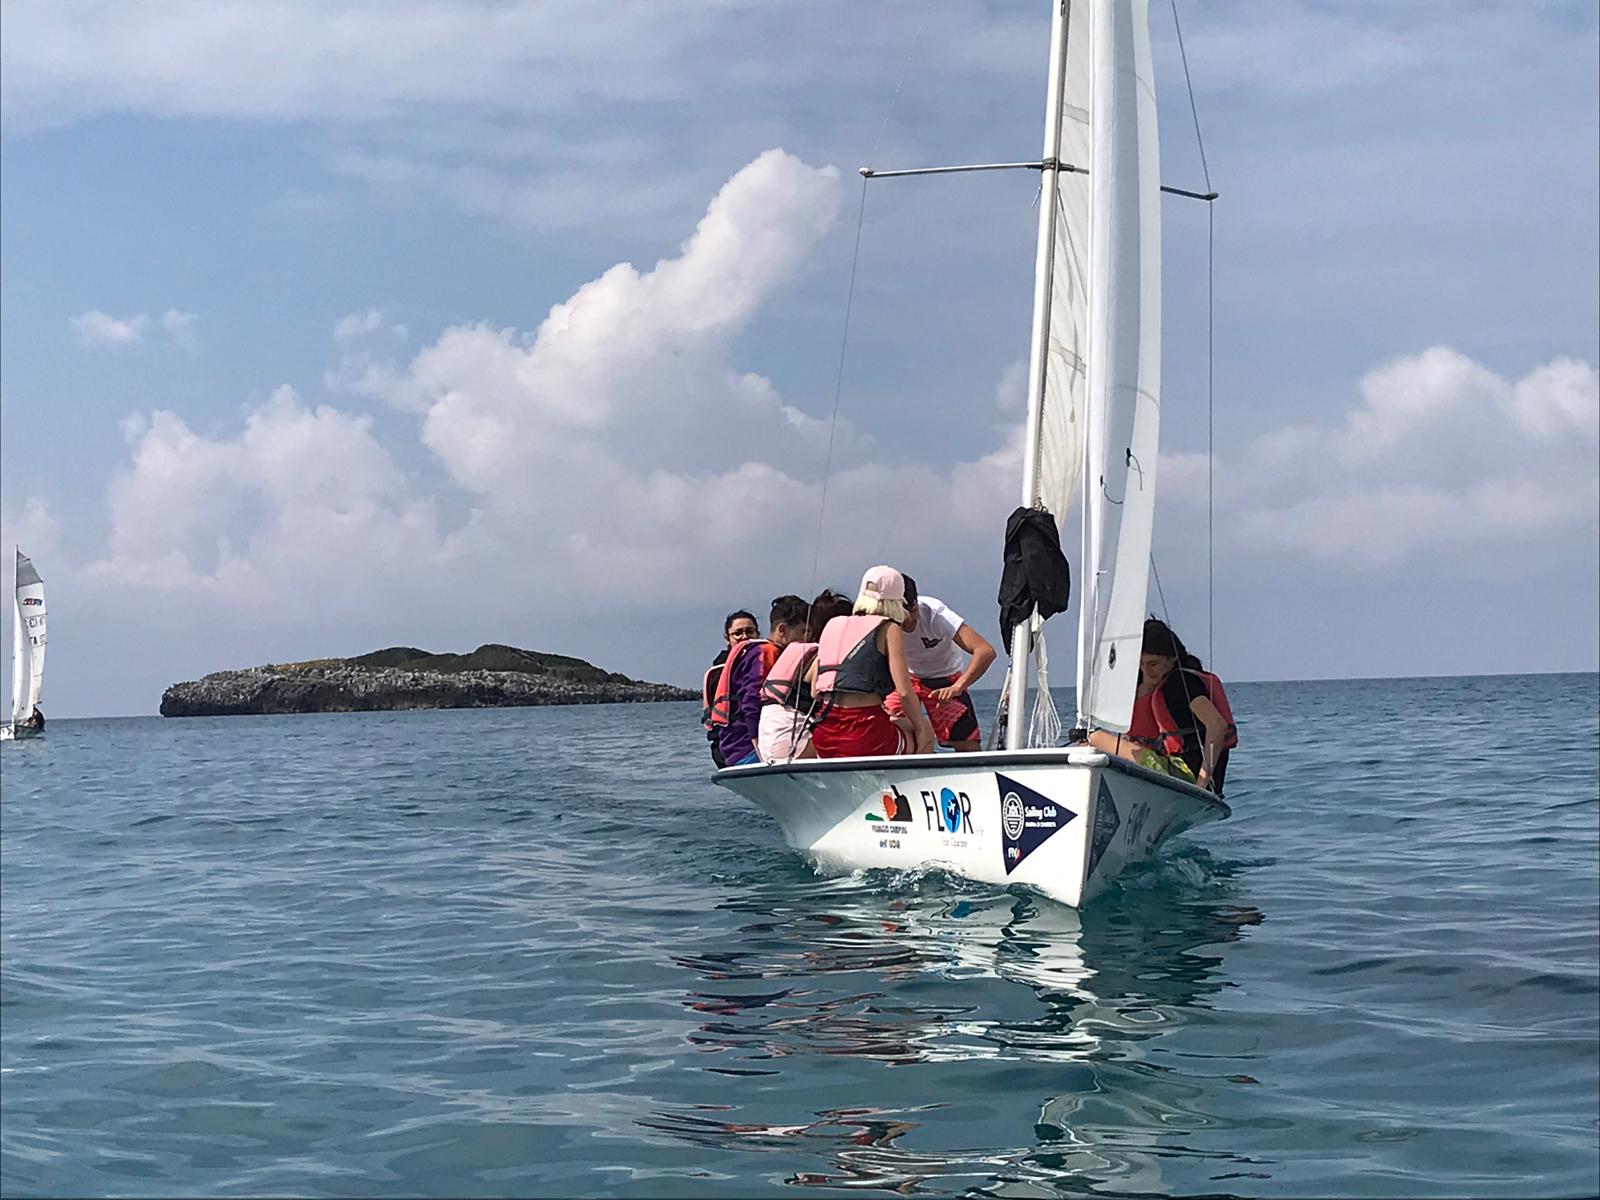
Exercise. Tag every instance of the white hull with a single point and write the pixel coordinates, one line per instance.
(19, 733)
(1062, 822)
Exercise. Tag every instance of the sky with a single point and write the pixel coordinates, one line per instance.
(331, 327)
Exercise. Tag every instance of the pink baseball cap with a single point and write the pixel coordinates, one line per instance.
(885, 583)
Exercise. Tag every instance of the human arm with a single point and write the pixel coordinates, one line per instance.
(894, 649)
(976, 645)
(1216, 730)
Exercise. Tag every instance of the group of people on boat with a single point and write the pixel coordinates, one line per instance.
(891, 673)
(887, 673)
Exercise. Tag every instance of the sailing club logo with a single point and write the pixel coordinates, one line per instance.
(1012, 816)
(1027, 820)
(32, 601)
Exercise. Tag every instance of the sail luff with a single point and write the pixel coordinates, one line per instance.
(1044, 262)
(1124, 352)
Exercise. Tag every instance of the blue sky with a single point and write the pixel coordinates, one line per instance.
(329, 328)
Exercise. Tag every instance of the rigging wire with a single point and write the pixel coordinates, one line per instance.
(1211, 356)
(838, 387)
(855, 258)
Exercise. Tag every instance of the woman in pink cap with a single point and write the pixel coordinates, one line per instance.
(861, 661)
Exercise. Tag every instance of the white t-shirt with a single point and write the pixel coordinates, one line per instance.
(931, 649)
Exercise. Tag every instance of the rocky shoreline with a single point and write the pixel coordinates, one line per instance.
(385, 682)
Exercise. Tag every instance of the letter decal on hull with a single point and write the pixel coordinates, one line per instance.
(1027, 819)
(1106, 822)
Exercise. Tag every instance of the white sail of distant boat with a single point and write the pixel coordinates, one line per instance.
(27, 651)
(1064, 820)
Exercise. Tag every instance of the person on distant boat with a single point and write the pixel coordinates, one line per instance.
(786, 699)
(736, 627)
(736, 707)
(35, 719)
(860, 662)
(1180, 710)
(946, 656)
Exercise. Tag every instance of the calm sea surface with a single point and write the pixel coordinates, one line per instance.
(536, 952)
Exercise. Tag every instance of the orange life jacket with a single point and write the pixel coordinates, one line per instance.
(1173, 731)
(708, 692)
(722, 700)
(846, 650)
(786, 682)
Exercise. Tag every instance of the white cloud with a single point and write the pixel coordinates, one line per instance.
(357, 325)
(95, 328)
(1441, 453)
(180, 327)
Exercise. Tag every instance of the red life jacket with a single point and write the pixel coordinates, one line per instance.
(1174, 731)
(847, 650)
(786, 682)
(722, 701)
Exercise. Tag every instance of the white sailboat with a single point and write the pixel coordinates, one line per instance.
(1062, 820)
(27, 652)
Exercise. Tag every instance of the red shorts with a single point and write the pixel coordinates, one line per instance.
(857, 733)
(953, 720)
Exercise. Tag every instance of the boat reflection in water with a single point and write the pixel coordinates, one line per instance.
(925, 974)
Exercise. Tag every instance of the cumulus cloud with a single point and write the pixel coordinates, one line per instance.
(95, 328)
(614, 452)
(180, 328)
(1440, 452)
(300, 496)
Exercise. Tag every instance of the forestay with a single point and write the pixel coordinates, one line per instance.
(1124, 386)
(28, 644)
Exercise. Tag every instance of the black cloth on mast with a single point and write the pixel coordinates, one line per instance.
(1035, 573)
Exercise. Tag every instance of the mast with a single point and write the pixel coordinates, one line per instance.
(1044, 260)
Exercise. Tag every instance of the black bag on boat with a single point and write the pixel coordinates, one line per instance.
(1035, 573)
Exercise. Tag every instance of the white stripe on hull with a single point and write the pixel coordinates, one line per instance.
(1063, 822)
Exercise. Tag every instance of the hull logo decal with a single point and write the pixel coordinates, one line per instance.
(1107, 820)
(1027, 819)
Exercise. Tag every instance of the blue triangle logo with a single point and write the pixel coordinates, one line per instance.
(1027, 819)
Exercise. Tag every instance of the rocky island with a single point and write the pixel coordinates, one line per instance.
(404, 677)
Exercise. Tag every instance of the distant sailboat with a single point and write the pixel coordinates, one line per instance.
(1063, 820)
(27, 654)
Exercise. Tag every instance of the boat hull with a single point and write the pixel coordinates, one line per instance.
(1062, 822)
(18, 733)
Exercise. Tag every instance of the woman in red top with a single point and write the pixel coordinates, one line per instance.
(1175, 711)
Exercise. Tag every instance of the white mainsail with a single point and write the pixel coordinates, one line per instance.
(28, 644)
(1124, 363)
(1095, 378)
(1061, 393)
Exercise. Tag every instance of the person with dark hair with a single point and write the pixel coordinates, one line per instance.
(1180, 711)
(736, 706)
(787, 704)
(736, 627)
(946, 656)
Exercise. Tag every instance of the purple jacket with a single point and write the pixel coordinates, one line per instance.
(738, 736)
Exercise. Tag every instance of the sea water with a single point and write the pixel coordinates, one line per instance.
(536, 952)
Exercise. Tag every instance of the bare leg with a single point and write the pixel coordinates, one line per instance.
(1112, 743)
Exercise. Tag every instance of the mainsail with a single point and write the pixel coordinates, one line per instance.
(1124, 363)
(1095, 374)
(28, 644)
(1061, 393)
